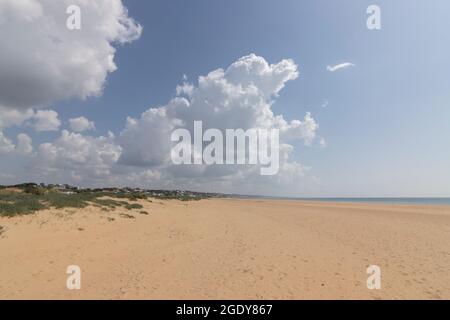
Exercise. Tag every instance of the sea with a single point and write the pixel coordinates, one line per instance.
(418, 201)
(412, 201)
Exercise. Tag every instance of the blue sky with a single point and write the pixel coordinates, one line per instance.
(386, 120)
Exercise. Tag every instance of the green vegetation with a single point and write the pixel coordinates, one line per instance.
(127, 216)
(34, 190)
(12, 204)
(32, 199)
(133, 206)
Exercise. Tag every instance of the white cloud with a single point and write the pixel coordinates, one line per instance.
(240, 96)
(340, 66)
(24, 144)
(81, 124)
(41, 120)
(46, 120)
(75, 158)
(11, 117)
(52, 63)
(23, 147)
(298, 129)
(21, 10)
(6, 145)
(146, 141)
(185, 89)
(322, 142)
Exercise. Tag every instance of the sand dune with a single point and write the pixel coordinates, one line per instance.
(229, 249)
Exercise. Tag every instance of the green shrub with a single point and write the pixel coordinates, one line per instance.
(38, 191)
(133, 206)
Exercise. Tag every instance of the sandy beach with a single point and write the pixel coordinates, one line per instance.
(229, 249)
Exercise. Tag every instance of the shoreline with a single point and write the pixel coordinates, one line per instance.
(426, 201)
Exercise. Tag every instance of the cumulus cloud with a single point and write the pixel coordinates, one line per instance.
(46, 120)
(186, 88)
(298, 129)
(340, 66)
(238, 97)
(77, 158)
(146, 141)
(81, 124)
(6, 145)
(24, 144)
(41, 120)
(23, 147)
(51, 62)
(11, 117)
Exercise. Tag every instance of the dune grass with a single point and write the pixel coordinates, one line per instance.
(29, 198)
(12, 204)
(34, 199)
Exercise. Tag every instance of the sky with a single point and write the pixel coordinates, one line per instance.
(362, 113)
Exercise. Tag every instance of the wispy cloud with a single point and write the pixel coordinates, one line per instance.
(322, 142)
(340, 66)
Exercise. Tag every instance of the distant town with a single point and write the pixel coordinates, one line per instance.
(162, 194)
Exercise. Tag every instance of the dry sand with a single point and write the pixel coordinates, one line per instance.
(229, 249)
